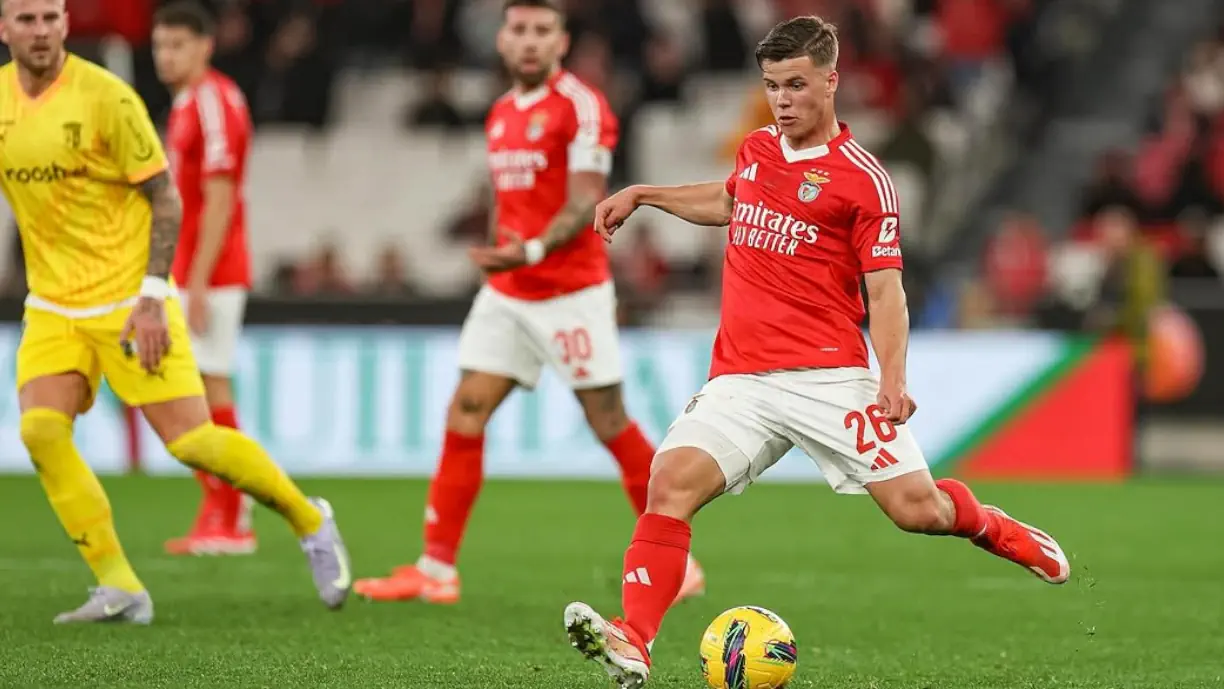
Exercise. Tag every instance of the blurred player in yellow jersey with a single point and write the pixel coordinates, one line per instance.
(99, 216)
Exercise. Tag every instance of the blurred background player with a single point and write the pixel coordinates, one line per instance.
(549, 299)
(811, 215)
(99, 217)
(208, 140)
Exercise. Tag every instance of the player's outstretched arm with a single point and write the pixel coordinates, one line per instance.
(707, 203)
(890, 338)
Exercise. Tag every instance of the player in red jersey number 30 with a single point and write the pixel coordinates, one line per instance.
(811, 213)
(208, 139)
(549, 299)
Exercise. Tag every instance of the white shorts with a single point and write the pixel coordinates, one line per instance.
(575, 334)
(748, 422)
(216, 348)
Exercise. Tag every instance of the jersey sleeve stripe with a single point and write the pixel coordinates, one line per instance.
(879, 176)
(212, 124)
(888, 183)
(586, 107)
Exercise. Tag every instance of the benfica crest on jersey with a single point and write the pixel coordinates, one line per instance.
(535, 126)
(810, 189)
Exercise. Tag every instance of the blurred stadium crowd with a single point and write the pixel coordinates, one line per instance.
(367, 176)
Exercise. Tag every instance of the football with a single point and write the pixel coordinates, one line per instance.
(748, 648)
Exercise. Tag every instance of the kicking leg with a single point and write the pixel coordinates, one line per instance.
(49, 404)
(605, 413)
(452, 493)
(918, 504)
(184, 426)
(683, 480)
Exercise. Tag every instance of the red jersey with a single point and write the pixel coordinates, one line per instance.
(210, 134)
(806, 225)
(535, 140)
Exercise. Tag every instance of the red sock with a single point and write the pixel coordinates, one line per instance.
(971, 519)
(228, 498)
(634, 453)
(452, 493)
(654, 571)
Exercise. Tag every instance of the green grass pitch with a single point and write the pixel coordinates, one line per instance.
(871, 608)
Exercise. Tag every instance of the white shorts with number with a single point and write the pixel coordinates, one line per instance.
(216, 348)
(748, 422)
(575, 334)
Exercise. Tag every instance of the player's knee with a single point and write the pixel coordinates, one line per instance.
(44, 428)
(469, 412)
(681, 482)
(605, 413)
(199, 447)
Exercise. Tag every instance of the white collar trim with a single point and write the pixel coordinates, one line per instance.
(526, 99)
(793, 156)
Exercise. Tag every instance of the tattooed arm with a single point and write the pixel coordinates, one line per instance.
(167, 217)
(146, 333)
(586, 190)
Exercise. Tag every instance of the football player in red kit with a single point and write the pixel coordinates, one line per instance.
(208, 139)
(549, 300)
(810, 214)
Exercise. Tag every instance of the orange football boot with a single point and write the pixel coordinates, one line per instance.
(1026, 546)
(407, 582)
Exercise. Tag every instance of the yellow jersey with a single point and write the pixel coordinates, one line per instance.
(71, 161)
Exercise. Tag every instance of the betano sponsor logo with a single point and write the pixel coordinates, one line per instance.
(46, 174)
(761, 227)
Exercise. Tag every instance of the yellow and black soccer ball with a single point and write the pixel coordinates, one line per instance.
(748, 648)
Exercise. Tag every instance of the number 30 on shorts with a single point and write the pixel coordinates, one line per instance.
(573, 345)
(881, 427)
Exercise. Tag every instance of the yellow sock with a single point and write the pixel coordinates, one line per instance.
(234, 457)
(77, 497)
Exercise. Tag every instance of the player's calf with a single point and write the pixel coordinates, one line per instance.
(914, 503)
(604, 408)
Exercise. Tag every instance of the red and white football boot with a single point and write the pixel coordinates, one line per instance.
(616, 647)
(1024, 545)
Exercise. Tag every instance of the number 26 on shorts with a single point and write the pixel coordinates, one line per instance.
(882, 430)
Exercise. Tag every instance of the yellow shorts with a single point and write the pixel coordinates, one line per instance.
(52, 343)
